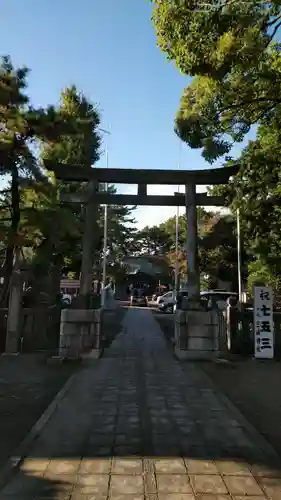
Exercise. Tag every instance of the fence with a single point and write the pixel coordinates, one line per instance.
(39, 329)
(241, 330)
(3, 328)
(222, 331)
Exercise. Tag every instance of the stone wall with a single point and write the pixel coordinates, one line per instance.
(88, 330)
(79, 332)
(198, 334)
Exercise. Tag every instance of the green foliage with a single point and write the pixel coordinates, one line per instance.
(217, 246)
(152, 240)
(229, 49)
(80, 149)
(82, 145)
(21, 127)
(260, 273)
(256, 190)
(218, 251)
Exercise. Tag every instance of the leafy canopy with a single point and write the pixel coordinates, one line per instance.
(228, 47)
(256, 190)
(22, 128)
(84, 148)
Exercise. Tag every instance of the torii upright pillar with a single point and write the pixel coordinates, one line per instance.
(196, 330)
(192, 244)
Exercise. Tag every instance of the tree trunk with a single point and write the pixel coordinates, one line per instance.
(13, 231)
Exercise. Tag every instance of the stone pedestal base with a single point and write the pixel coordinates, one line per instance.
(11, 354)
(186, 355)
(79, 332)
(93, 355)
(14, 314)
(196, 335)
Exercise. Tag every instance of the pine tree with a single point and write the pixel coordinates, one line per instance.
(21, 127)
(84, 149)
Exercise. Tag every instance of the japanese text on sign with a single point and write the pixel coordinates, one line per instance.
(263, 322)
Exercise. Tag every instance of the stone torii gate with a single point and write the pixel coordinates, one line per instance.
(194, 336)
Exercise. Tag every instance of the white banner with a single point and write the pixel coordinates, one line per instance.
(263, 322)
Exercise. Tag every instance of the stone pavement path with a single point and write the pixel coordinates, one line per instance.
(140, 425)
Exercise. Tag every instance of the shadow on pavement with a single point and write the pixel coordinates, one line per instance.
(140, 425)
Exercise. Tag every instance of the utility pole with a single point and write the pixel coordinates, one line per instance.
(104, 260)
(239, 257)
(177, 232)
(177, 253)
(105, 231)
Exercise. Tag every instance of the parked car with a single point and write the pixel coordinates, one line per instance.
(178, 302)
(214, 298)
(138, 298)
(165, 302)
(169, 300)
(165, 297)
(67, 298)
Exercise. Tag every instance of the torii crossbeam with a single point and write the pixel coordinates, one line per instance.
(142, 178)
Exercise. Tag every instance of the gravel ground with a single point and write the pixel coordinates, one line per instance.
(27, 387)
(254, 387)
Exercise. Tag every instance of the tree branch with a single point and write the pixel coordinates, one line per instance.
(252, 101)
(263, 113)
(275, 31)
(271, 23)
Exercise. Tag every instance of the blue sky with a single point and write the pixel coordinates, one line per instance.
(107, 48)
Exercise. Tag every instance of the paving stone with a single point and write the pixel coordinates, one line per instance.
(233, 468)
(30, 465)
(242, 485)
(207, 496)
(263, 497)
(139, 401)
(97, 451)
(150, 485)
(52, 495)
(200, 466)
(207, 483)
(126, 484)
(161, 439)
(79, 495)
(127, 450)
(260, 470)
(177, 496)
(100, 440)
(22, 484)
(126, 466)
(271, 487)
(106, 429)
(93, 483)
(118, 496)
(95, 466)
(164, 450)
(170, 466)
(60, 466)
(173, 483)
